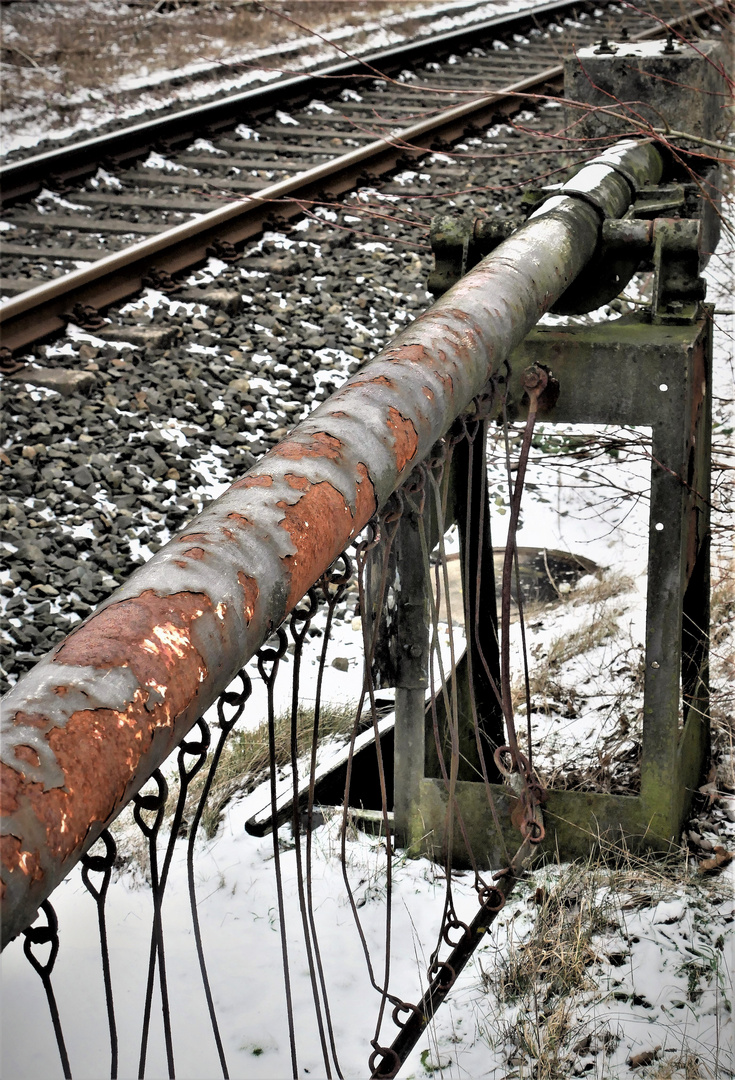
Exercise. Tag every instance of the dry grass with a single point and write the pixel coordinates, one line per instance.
(245, 761)
(682, 1067)
(543, 974)
(722, 672)
(57, 53)
(244, 764)
(616, 764)
(602, 625)
(598, 628)
(549, 978)
(544, 681)
(559, 952)
(602, 589)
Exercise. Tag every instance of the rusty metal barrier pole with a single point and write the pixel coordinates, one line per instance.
(86, 727)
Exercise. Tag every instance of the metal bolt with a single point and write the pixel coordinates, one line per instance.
(604, 47)
(669, 47)
(534, 377)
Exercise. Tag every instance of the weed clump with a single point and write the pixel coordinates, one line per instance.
(245, 761)
(559, 951)
(596, 945)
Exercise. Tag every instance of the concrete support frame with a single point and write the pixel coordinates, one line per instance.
(628, 372)
(412, 633)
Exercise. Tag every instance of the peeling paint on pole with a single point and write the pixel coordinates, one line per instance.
(85, 728)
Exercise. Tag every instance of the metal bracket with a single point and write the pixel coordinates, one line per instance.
(459, 242)
(673, 246)
(676, 247)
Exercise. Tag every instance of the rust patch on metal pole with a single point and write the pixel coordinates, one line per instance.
(253, 481)
(98, 749)
(320, 445)
(240, 521)
(27, 754)
(190, 553)
(149, 634)
(321, 503)
(250, 592)
(14, 858)
(406, 439)
(413, 354)
(298, 483)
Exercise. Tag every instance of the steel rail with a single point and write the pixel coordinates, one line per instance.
(43, 310)
(40, 311)
(22, 178)
(85, 728)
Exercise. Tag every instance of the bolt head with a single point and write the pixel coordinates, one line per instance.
(534, 377)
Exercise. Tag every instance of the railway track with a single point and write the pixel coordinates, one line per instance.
(118, 433)
(154, 199)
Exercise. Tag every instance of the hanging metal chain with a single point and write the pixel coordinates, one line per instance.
(445, 973)
(155, 804)
(272, 656)
(189, 747)
(299, 624)
(48, 935)
(103, 864)
(362, 550)
(333, 586)
(463, 432)
(381, 530)
(530, 791)
(235, 700)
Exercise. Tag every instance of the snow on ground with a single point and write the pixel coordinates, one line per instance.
(656, 973)
(648, 949)
(94, 109)
(647, 945)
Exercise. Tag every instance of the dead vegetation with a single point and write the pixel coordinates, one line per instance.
(559, 952)
(722, 666)
(602, 625)
(545, 681)
(571, 955)
(243, 765)
(60, 56)
(603, 588)
(557, 689)
(245, 760)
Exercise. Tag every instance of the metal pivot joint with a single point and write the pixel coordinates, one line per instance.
(670, 226)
